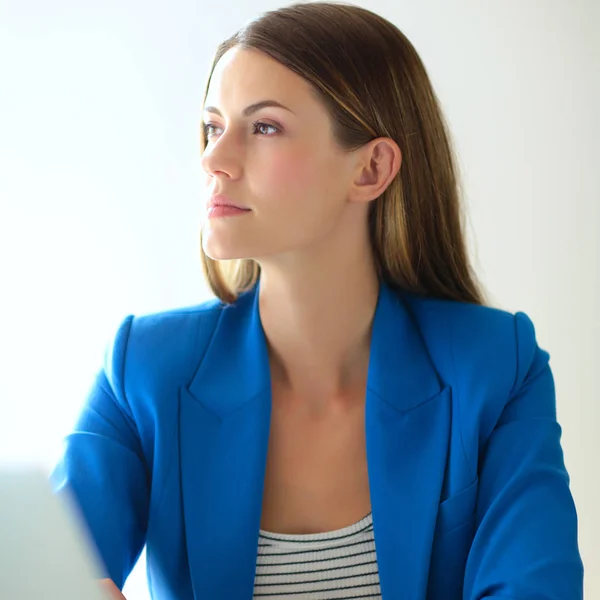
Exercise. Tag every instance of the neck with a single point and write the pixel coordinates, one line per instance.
(317, 319)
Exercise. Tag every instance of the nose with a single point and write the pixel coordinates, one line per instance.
(222, 158)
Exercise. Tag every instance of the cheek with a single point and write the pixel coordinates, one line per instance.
(292, 167)
(296, 175)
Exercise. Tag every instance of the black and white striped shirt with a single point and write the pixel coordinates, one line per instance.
(340, 565)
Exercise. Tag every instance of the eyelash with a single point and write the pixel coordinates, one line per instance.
(255, 126)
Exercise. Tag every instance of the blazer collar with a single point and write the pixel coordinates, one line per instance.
(238, 353)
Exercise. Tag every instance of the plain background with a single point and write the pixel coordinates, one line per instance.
(100, 190)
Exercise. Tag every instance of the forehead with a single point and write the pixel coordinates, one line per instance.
(244, 75)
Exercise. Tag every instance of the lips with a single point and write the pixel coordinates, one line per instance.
(218, 200)
(221, 205)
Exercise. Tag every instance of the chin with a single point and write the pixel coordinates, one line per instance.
(220, 250)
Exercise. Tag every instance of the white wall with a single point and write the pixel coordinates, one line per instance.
(99, 189)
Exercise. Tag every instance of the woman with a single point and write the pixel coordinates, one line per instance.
(347, 419)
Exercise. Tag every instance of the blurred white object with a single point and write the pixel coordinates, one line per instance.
(43, 550)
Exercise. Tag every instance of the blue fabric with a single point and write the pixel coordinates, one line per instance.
(469, 491)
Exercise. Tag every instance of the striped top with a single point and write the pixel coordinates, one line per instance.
(339, 565)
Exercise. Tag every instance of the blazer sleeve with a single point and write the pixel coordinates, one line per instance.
(525, 546)
(103, 468)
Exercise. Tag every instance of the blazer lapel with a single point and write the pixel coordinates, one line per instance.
(224, 432)
(408, 421)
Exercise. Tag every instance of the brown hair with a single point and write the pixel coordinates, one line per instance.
(374, 84)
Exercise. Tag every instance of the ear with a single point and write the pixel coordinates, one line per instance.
(378, 162)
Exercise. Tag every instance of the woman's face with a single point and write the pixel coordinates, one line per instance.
(280, 163)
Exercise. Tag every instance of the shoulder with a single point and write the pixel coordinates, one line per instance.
(173, 328)
(485, 354)
(476, 336)
(152, 350)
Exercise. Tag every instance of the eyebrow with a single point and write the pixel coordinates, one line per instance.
(252, 108)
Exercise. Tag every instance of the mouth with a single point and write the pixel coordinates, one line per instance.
(220, 200)
(215, 211)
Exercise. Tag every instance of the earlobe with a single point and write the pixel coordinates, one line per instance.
(380, 163)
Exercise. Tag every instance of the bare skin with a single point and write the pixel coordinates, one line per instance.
(316, 478)
(112, 591)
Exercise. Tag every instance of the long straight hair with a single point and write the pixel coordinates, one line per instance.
(373, 84)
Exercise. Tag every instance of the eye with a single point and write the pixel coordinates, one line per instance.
(260, 127)
(208, 129)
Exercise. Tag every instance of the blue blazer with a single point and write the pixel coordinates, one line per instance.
(469, 492)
